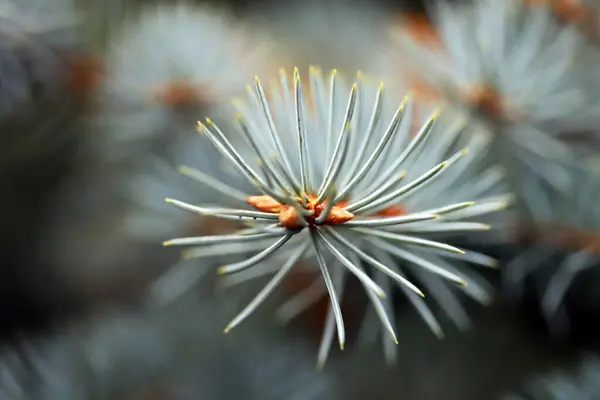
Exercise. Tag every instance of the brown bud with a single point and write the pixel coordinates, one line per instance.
(288, 218)
(338, 216)
(264, 203)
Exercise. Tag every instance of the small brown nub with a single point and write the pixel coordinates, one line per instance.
(420, 27)
(288, 218)
(264, 203)
(338, 216)
(178, 93)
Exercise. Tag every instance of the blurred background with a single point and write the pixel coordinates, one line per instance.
(99, 101)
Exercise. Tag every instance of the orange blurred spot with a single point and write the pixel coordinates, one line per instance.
(420, 28)
(178, 93)
(566, 10)
(393, 211)
(571, 10)
(562, 236)
(84, 74)
(585, 16)
(486, 99)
